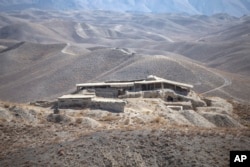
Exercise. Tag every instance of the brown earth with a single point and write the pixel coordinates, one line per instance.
(44, 54)
(141, 136)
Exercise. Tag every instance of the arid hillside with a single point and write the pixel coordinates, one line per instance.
(147, 133)
(44, 54)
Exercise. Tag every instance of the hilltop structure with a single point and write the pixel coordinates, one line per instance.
(111, 94)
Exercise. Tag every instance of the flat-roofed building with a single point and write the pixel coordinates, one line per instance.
(116, 88)
(87, 94)
(74, 100)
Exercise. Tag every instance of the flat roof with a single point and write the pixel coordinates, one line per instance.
(98, 99)
(76, 96)
(165, 81)
(152, 79)
(117, 84)
(127, 84)
(92, 84)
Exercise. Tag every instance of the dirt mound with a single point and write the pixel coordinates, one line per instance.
(221, 120)
(58, 118)
(88, 122)
(18, 114)
(197, 119)
(5, 114)
(147, 109)
(146, 133)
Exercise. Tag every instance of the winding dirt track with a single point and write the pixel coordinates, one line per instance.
(227, 82)
(65, 50)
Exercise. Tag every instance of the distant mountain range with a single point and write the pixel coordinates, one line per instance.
(203, 7)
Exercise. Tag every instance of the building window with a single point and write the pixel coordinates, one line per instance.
(170, 99)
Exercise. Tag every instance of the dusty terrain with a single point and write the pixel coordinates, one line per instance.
(44, 54)
(146, 134)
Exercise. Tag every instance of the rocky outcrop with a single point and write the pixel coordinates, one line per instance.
(58, 118)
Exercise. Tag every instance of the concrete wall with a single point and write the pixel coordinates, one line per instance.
(185, 105)
(131, 94)
(153, 94)
(71, 103)
(110, 105)
(106, 92)
(113, 106)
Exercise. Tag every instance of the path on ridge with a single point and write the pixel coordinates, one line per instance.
(65, 51)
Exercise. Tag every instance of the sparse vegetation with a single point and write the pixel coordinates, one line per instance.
(78, 120)
(42, 54)
(107, 47)
(81, 137)
(110, 117)
(158, 120)
(243, 113)
(6, 105)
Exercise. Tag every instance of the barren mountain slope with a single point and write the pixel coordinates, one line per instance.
(60, 71)
(220, 55)
(23, 55)
(56, 73)
(87, 46)
(223, 49)
(44, 54)
(28, 32)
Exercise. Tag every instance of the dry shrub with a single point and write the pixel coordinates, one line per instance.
(138, 120)
(129, 128)
(78, 120)
(153, 130)
(42, 121)
(126, 128)
(2, 120)
(56, 140)
(6, 105)
(13, 121)
(109, 118)
(158, 120)
(79, 114)
(115, 137)
(126, 122)
(242, 111)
